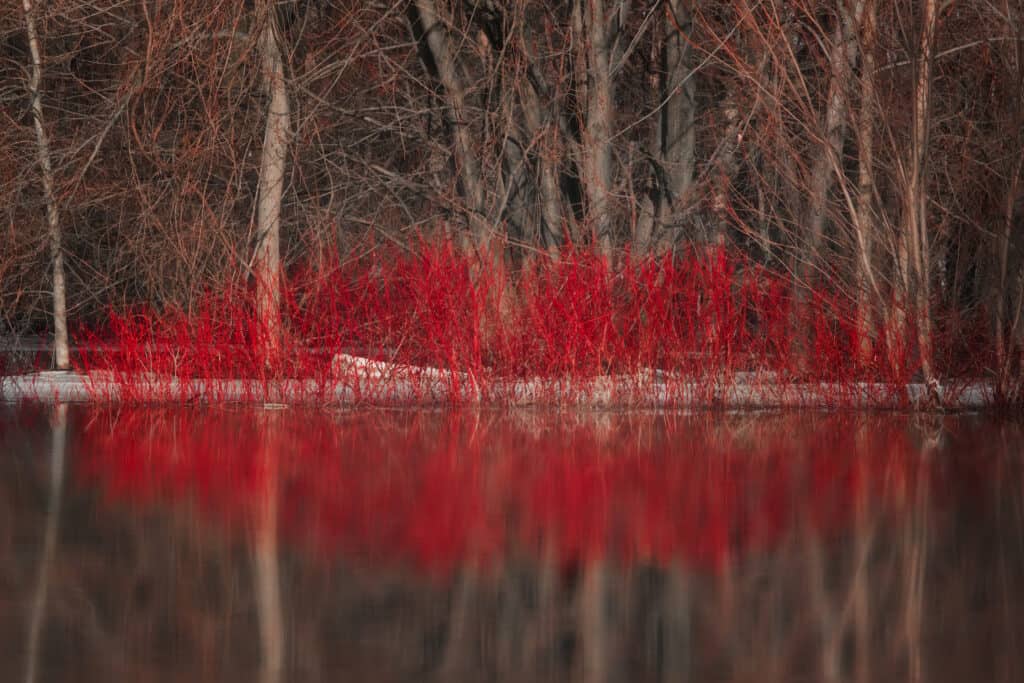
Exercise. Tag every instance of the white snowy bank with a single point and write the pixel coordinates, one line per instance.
(358, 381)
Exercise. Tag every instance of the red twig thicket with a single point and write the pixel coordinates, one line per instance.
(433, 325)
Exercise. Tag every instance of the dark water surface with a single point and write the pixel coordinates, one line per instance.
(291, 545)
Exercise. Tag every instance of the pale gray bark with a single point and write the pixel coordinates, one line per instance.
(468, 168)
(673, 136)
(61, 356)
(58, 450)
(680, 136)
(595, 35)
(273, 159)
(864, 217)
(822, 179)
(917, 261)
(550, 194)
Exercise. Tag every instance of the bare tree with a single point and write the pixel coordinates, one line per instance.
(596, 29)
(61, 357)
(273, 159)
(915, 252)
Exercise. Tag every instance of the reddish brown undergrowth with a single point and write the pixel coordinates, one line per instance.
(434, 325)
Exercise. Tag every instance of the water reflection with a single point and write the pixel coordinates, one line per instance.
(300, 545)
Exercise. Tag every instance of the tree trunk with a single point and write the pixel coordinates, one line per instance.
(915, 201)
(680, 134)
(595, 46)
(864, 218)
(467, 167)
(552, 228)
(822, 176)
(673, 138)
(61, 356)
(1003, 324)
(267, 261)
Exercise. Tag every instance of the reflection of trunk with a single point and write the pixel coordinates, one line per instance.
(508, 640)
(676, 624)
(594, 636)
(267, 260)
(915, 562)
(61, 357)
(458, 648)
(467, 167)
(541, 633)
(917, 279)
(828, 621)
(57, 454)
(861, 588)
(267, 568)
(596, 37)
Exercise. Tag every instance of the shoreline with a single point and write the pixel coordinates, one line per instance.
(417, 386)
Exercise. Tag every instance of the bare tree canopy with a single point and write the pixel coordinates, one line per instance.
(869, 146)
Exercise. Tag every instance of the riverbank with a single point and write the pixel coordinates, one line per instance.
(377, 383)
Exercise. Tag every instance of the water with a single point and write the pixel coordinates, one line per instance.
(195, 544)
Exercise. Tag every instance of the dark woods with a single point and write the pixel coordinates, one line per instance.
(870, 147)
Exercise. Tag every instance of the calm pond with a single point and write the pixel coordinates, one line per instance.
(234, 544)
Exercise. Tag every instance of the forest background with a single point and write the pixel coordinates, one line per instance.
(154, 152)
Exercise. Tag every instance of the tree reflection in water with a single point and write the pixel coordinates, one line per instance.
(227, 544)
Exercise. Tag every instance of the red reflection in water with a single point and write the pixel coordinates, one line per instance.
(438, 490)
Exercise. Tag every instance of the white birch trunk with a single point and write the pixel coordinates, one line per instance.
(61, 356)
(273, 158)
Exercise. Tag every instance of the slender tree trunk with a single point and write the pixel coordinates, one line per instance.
(273, 159)
(468, 169)
(552, 228)
(915, 212)
(1003, 247)
(822, 176)
(864, 219)
(673, 138)
(1003, 324)
(61, 356)
(652, 203)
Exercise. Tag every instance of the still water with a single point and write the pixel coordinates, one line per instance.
(193, 544)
